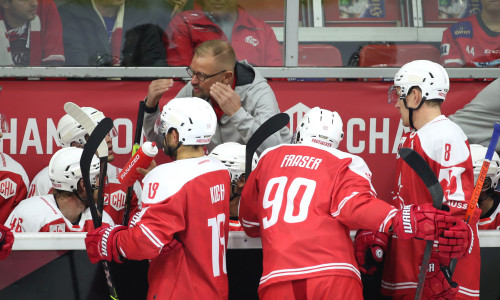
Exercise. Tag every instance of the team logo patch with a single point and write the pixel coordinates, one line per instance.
(117, 200)
(462, 30)
(7, 188)
(252, 41)
(57, 228)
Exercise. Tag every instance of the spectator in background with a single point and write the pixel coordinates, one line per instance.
(30, 33)
(67, 208)
(474, 41)
(489, 198)
(13, 179)
(144, 46)
(94, 30)
(252, 39)
(477, 117)
(241, 97)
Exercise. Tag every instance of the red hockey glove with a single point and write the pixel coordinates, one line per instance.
(438, 283)
(457, 241)
(374, 241)
(101, 244)
(6, 241)
(422, 222)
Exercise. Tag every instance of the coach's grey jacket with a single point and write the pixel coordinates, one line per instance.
(258, 104)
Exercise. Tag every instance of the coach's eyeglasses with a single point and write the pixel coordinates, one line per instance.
(201, 77)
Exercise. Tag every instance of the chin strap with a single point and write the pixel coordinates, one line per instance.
(411, 109)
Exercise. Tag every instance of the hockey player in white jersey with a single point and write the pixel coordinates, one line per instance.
(67, 208)
(72, 134)
(232, 155)
(14, 181)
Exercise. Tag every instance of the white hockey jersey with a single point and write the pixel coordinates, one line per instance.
(41, 214)
(14, 184)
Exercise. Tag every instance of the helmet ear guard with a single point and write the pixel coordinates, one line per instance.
(320, 126)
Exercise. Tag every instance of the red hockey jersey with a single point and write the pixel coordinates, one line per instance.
(470, 43)
(186, 202)
(14, 184)
(445, 148)
(303, 201)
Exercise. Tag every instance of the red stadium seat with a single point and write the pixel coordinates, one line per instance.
(318, 55)
(385, 55)
(386, 15)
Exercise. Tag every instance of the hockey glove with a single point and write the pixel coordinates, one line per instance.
(376, 242)
(101, 244)
(438, 283)
(456, 242)
(6, 241)
(423, 222)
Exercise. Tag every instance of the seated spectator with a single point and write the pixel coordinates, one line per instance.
(67, 208)
(232, 155)
(252, 39)
(489, 198)
(12, 175)
(477, 117)
(30, 33)
(474, 41)
(93, 30)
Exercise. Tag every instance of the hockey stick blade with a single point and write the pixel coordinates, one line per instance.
(268, 128)
(98, 135)
(420, 166)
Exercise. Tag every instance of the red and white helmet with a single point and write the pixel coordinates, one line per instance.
(69, 130)
(233, 155)
(65, 172)
(429, 76)
(193, 118)
(320, 126)
(478, 152)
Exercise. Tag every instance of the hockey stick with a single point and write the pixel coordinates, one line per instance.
(93, 143)
(137, 145)
(77, 113)
(420, 166)
(268, 128)
(471, 207)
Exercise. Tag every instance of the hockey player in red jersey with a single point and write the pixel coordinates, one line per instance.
(303, 198)
(232, 155)
(14, 181)
(183, 225)
(71, 134)
(66, 209)
(474, 41)
(489, 198)
(419, 89)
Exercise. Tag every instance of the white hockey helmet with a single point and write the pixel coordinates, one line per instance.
(320, 126)
(65, 172)
(69, 130)
(429, 76)
(232, 155)
(478, 152)
(193, 118)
